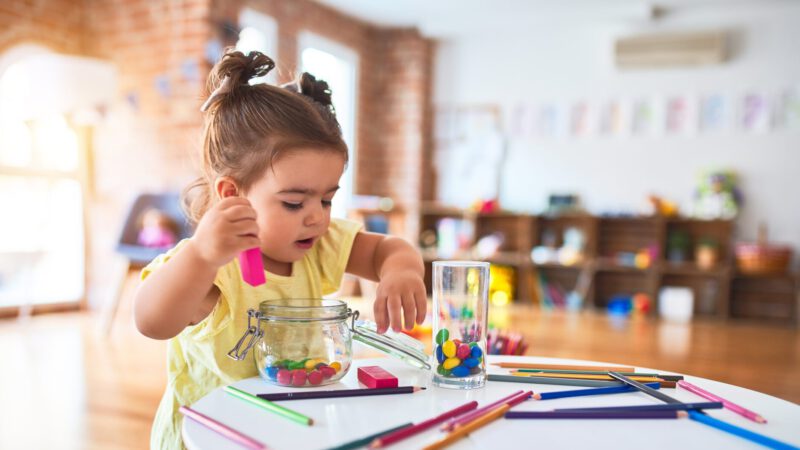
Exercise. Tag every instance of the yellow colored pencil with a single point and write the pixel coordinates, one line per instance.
(468, 428)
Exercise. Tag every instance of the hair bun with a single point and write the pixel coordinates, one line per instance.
(310, 86)
(241, 68)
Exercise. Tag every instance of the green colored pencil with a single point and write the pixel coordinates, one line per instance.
(269, 406)
(358, 443)
(558, 381)
(602, 372)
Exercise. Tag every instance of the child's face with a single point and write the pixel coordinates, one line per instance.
(293, 202)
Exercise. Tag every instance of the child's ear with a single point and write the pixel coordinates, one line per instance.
(225, 187)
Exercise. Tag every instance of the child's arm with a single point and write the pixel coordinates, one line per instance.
(399, 269)
(182, 292)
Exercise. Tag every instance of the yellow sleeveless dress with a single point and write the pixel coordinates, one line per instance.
(197, 360)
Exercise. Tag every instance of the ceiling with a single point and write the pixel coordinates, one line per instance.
(443, 18)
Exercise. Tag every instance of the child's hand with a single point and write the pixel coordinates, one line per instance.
(225, 230)
(400, 290)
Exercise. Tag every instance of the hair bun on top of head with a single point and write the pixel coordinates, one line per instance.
(234, 70)
(310, 86)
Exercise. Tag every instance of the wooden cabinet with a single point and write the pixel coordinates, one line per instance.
(718, 291)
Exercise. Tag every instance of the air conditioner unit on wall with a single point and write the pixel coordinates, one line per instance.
(673, 49)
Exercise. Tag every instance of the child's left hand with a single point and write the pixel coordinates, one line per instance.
(402, 289)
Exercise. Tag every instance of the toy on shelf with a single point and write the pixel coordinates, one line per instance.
(677, 246)
(489, 245)
(662, 207)
(706, 253)
(717, 196)
(570, 253)
(560, 204)
(501, 284)
(158, 230)
(486, 206)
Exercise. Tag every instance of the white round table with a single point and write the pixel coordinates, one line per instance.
(341, 420)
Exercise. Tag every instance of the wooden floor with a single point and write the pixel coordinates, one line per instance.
(64, 385)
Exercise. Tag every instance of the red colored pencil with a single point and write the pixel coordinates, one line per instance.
(399, 435)
(512, 400)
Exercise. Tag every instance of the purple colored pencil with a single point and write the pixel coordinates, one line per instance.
(224, 430)
(595, 415)
(283, 396)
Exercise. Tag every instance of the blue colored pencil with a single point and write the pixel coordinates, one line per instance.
(656, 407)
(741, 432)
(593, 391)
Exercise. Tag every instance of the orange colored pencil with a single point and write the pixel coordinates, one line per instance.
(468, 428)
(516, 365)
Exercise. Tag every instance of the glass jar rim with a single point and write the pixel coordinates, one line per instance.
(303, 309)
(461, 263)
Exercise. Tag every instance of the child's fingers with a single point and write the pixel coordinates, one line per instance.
(421, 299)
(394, 304)
(230, 202)
(240, 212)
(409, 310)
(381, 316)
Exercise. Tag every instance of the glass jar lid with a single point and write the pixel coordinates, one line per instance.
(399, 345)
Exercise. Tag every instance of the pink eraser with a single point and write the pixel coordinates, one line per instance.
(252, 266)
(376, 377)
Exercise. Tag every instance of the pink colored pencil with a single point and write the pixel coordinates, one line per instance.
(224, 430)
(511, 400)
(755, 417)
(252, 266)
(401, 434)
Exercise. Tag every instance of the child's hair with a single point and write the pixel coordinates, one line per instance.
(248, 127)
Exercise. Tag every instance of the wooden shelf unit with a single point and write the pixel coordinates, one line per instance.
(718, 291)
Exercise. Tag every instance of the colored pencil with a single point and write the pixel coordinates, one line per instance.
(604, 372)
(741, 432)
(462, 431)
(516, 365)
(269, 406)
(399, 435)
(306, 395)
(605, 377)
(752, 415)
(548, 380)
(656, 407)
(646, 389)
(222, 429)
(512, 400)
(594, 391)
(358, 443)
(595, 414)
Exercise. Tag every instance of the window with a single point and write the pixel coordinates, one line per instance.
(42, 250)
(259, 32)
(337, 65)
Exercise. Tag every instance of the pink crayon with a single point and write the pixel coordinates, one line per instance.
(252, 267)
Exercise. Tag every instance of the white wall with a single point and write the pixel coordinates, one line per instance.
(561, 61)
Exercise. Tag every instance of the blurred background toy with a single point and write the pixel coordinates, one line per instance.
(717, 197)
(662, 207)
(158, 230)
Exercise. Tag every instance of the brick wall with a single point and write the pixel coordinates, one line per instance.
(150, 138)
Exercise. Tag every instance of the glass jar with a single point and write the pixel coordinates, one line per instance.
(460, 319)
(308, 342)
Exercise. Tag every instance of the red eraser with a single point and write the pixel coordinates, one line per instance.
(376, 377)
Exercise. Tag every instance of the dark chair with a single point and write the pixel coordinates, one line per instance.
(137, 256)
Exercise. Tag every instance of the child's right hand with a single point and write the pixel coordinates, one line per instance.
(225, 230)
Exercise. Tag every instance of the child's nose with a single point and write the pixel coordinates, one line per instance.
(314, 216)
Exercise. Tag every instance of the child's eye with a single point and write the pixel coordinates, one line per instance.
(292, 206)
(326, 203)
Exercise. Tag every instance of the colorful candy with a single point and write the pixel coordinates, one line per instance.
(457, 358)
(442, 336)
(306, 372)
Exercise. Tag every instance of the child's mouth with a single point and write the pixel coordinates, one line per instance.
(305, 243)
